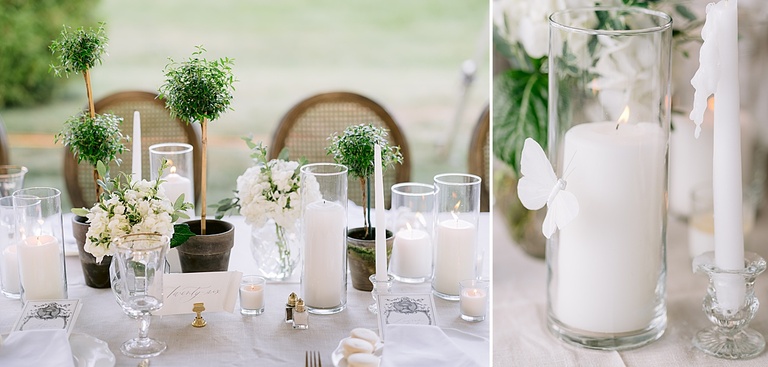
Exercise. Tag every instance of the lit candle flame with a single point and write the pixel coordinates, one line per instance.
(456, 210)
(595, 87)
(173, 169)
(421, 219)
(410, 229)
(711, 103)
(623, 118)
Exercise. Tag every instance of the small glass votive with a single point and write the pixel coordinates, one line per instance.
(413, 205)
(473, 301)
(252, 295)
(11, 179)
(179, 176)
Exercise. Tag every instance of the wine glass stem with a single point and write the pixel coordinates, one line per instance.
(145, 320)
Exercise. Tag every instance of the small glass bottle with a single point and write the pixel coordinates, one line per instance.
(289, 306)
(300, 316)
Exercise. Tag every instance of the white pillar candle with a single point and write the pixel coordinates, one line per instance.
(610, 256)
(411, 254)
(689, 160)
(40, 268)
(252, 296)
(175, 185)
(10, 270)
(136, 149)
(473, 302)
(381, 222)
(701, 233)
(455, 255)
(324, 225)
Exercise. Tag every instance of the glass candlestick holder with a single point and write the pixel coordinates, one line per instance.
(379, 287)
(730, 337)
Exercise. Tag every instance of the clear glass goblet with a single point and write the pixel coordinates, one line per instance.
(140, 261)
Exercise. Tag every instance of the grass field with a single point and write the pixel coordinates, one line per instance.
(405, 54)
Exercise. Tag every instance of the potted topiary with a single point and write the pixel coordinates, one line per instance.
(199, 91)
(354, 148)
(95, 139)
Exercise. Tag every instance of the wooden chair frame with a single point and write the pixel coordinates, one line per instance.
(479, 157)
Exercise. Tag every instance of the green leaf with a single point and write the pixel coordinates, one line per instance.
(685, 12)
(80, 211)
(520, 112)
(181, 233)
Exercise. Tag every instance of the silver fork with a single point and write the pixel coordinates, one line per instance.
(312, 359)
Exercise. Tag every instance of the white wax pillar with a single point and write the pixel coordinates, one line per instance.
(689, 160)
(381, 222)
(252, 296)
(40, 268)
(175, 185)
(411, 254)
(473, 302)
(10, 270)
(324, 224)
(455, 255)
(610, 256)
(136, 150)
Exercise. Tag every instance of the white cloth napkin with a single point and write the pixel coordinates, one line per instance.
(425, 345)
(39, 348)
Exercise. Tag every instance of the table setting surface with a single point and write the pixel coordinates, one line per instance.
(231, 338)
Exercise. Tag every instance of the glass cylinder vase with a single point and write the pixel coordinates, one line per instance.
(413, 206)
(9, 263)
(455, 252)
(179, 175)
(323, 192)
(609, 112)
(40, 244)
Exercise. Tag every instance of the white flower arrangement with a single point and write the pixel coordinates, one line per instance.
(268, 190)
(131, 207)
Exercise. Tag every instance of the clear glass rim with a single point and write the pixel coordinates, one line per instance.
(126, 241)
(253, 279)
(473, 179)
(308, 169)
(664, 25)
(47, 193)
(157, 148)
(16, 170)
(428, 189)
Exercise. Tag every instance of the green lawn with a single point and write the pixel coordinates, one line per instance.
(404, 54)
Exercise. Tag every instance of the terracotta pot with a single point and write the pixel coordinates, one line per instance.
(361, 256)
(208, 252)
(96, 274)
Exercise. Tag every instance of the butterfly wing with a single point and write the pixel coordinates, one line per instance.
(565, 208)
(538, 179)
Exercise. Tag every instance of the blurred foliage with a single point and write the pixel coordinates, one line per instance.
(26, 31)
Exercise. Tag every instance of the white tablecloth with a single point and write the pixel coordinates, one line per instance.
(233, 339)
(521, 338)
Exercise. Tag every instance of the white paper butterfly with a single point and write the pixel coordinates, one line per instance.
(539, 185)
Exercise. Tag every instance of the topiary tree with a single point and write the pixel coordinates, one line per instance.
(354, 148)
(91, 138)
(199, 90)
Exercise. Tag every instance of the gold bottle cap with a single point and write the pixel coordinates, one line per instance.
(300, 305)
(292, 300)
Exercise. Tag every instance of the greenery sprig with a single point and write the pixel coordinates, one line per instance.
(354, 148)
(199, 90)
(93, 140)
(78, 50)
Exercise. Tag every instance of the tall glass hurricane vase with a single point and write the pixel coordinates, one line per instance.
(324, 229)
(140, 260)
(608, 130)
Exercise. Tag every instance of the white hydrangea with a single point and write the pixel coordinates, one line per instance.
(140, 207)
(271, 191)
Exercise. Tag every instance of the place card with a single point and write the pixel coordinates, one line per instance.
(217, 290)
(50, 314)
(412, 308)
